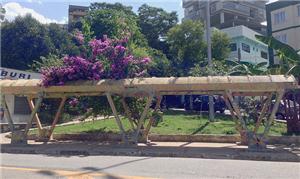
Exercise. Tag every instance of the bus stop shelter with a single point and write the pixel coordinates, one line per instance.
(270, 87)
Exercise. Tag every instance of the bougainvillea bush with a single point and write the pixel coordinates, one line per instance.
(101, 59)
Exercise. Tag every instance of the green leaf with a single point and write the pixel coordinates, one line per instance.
(283, 48)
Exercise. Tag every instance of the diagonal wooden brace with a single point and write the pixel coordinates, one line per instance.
(7, 113)
(20, 137)
(36, 117)
(279, 96)
(142, 118)
(157, 107)
(33, 113)
(128, 113)
(236, 120)
(236, 110)
(118, 120)
(262, 113)
(57, 115)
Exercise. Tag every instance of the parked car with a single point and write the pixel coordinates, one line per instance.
(169, 101)
(281, 113)
(201, 103)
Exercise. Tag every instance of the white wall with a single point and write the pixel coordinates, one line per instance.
(6, 73)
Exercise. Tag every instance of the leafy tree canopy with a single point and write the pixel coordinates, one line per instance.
(25, 40)
(220, 45)
(116, 6)
(186, 45)
(116, 24)
(155, 23)
(62, 41)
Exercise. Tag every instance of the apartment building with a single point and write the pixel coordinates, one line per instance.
(244, 46)
(225, 14)
(283, 23)
(76, 12)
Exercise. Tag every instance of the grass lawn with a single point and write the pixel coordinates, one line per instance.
(174, 122)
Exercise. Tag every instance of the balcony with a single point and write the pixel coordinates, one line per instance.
(236, 7)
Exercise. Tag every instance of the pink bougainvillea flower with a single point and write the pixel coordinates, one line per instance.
(104, 58)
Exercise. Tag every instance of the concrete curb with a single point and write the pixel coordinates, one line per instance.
(287, 140)
(153, 151)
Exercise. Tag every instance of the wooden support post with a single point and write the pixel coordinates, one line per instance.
(279, 96)
(263, 112)
(142, 119)
(157, 106)
(57, 115)
(36, 117)
(236, 110)
(118, 120)
(236, 120)
(7, 113)
(33, 112)
(128, 113)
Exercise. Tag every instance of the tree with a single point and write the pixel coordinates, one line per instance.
(186, 46)
(219, 68)
(61, 40)
(220, 45)
(115, 24)
(23, 41)
(116, 6)
(51, 60)
(155, 23)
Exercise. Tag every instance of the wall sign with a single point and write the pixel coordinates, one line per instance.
(6, 73)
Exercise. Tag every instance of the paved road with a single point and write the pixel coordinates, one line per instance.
(23, 166)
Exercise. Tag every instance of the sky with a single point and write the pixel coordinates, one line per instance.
(56, 11)
(47, 11)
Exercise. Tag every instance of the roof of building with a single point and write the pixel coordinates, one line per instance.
(242, 31)
(75, 7)
(163, 86)
(280, 4)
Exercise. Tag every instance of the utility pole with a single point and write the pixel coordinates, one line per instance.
(208, 38)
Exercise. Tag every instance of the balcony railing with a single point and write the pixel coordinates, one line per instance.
(232, 6)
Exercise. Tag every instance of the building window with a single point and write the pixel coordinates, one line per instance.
(279, 17)
(21, 105)
(232, 47)
(282, 38)
(246, 47)
(298, 10)
(264, 55)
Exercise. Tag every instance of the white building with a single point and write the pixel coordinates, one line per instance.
(17, 105)
(245, 47)
(283, 20)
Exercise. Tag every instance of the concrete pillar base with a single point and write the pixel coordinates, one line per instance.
(18, 137)
(44, 135)
(244, 138)
(255, 142)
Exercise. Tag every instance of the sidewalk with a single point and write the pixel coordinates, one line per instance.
(155, 149)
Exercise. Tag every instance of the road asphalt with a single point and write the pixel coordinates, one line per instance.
(27, 166)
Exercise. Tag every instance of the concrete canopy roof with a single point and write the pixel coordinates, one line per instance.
(145, 86)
